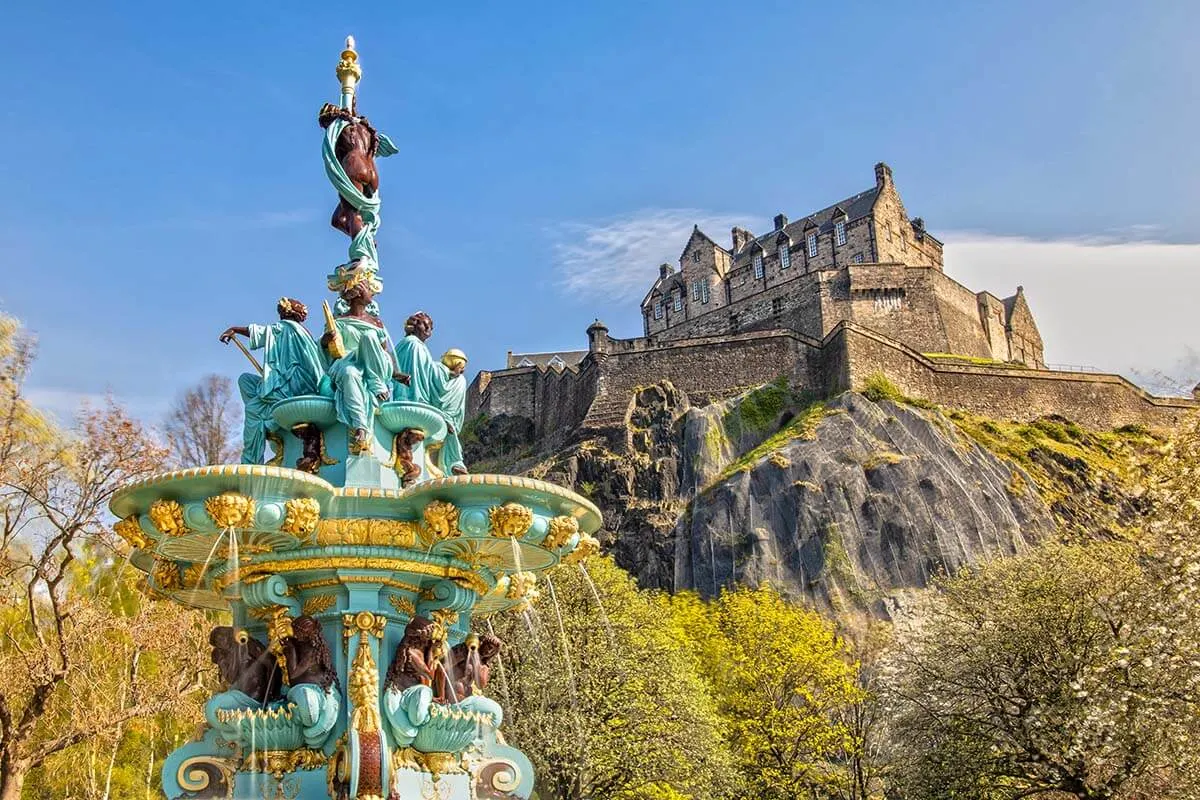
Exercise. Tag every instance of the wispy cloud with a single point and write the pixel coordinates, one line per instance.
(1119, 301)
(617, 258)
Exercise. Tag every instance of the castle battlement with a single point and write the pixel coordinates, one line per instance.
(828, 300)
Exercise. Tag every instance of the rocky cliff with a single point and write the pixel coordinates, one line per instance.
(849, 502)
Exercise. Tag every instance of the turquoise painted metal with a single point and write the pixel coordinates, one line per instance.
(352, 583)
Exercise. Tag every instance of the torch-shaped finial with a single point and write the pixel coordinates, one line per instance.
(349, 73)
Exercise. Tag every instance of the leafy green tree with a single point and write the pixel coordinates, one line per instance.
(787, 690)
(607, 701)
(1069, 670)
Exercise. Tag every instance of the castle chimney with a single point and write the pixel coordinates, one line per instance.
(781, 221)
(664, 270)
(741, 238)
(597, 334)
(883, 175)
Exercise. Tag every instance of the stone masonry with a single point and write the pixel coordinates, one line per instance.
(851, 291)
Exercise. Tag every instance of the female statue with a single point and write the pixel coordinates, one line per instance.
(363, 368)
(312, 680)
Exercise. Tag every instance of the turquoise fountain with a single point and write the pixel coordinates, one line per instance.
(350, 668)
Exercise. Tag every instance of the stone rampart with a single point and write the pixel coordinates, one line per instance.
(1095, 400)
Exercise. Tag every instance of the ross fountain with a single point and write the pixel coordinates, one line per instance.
(368, 556)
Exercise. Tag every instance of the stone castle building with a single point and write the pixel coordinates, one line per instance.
(828, 300)
(862, 260)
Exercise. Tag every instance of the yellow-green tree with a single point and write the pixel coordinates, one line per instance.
(785, 686)
(82, 657)
(607, 701)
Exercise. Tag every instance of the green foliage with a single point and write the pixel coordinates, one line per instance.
(605, 701)
(878, 388)
(1069, 669)
(756, 411)
(1056, 452)
(470, 429)
(782, 681)
(671, 697)
(802, 426)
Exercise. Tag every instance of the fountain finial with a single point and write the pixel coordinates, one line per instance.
(349, 73)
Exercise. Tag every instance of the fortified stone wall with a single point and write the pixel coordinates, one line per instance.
(1091, 399)
(709, 368)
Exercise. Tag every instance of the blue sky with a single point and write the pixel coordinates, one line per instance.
(162, 173)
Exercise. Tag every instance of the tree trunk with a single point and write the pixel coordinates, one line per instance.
(11, 784)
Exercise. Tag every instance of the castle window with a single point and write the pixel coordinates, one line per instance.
(839, 230)
(696, 290)
(658, 311)
(696, 256)
(777, 306)
(704, 291)
(785, 257)
(812, 245)
(858, 258)
(758, 265)
(677, 296)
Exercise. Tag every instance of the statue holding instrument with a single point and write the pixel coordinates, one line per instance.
(291, 366)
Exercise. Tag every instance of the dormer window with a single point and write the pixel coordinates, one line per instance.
(524, 362)
(658, 310)
(839, 232)
(785, 256)
(812, 245)
(556, 363)
(758, 265)
(677, 297)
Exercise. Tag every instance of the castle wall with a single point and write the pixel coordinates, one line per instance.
(706, 368)
(853, 354)
(555, 400)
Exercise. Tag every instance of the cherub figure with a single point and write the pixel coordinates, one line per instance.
(291, 366)
(408, 689)
(472, 663)
(312, 680)
(248, 669)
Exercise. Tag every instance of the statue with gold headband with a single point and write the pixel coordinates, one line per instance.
(452, 402)
(291, 366)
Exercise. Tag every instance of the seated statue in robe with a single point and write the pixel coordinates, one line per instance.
(363, 369)
(291, 366)
(414, 359)
(441, 385)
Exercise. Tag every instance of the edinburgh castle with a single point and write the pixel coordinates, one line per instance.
(829, 300)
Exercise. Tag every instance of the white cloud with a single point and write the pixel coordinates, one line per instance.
(618, 259)
(1128, 307)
